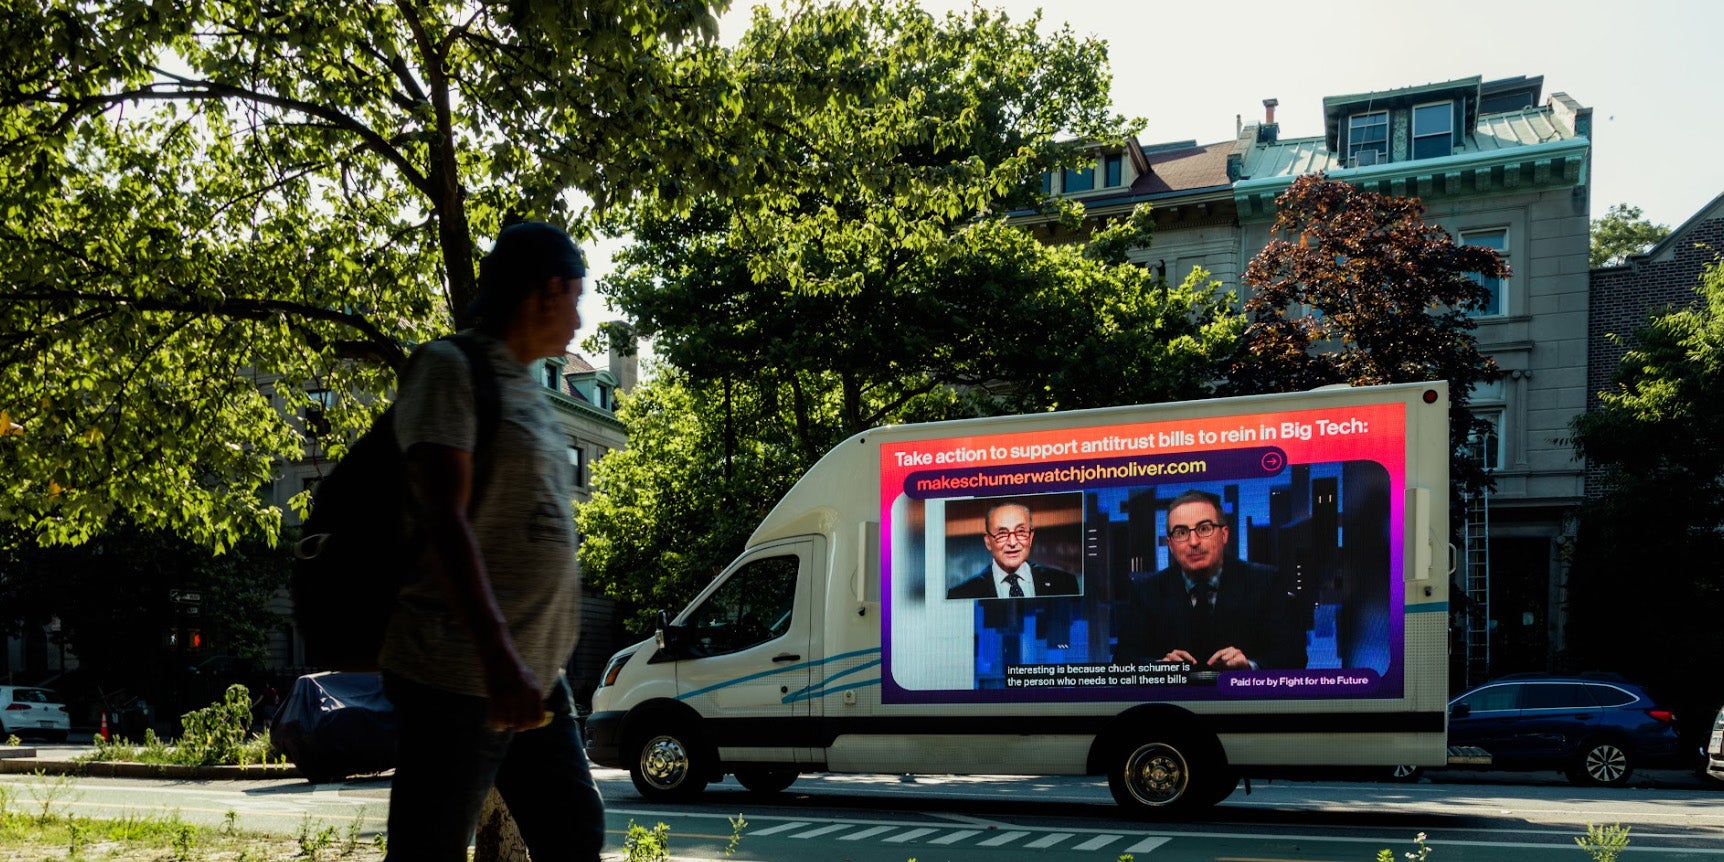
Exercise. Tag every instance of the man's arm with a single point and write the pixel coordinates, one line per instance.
(442, 478)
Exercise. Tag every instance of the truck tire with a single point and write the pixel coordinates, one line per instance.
(1159, 776)
(765, 780)
(1601, 763)
(669, 764)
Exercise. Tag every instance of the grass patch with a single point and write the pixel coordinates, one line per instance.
(33, 826)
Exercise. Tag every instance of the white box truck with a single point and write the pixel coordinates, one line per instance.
(866, 629)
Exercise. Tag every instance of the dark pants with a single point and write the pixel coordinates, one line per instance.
(449, 758)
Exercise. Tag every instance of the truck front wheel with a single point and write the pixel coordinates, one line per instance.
(668, 765)
(1158, 777)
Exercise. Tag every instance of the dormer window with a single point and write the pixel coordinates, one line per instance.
(1077, 180)
(1433, 130)
(553, 377)
(1368, 139)
(1113, 169)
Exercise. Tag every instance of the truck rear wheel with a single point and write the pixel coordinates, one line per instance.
(1160, 776)
(668, 765)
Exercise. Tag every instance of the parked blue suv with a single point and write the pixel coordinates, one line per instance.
(1596, 728)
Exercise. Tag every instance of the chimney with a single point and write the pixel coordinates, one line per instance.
(1270, 130)
(625, 356)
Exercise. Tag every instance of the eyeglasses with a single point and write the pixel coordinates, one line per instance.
(1022, 534)
(1204, 530)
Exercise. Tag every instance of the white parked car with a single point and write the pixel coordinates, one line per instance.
(34, 712)
(1715, 749)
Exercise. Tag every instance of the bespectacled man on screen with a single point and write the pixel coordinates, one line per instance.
(1009, 533)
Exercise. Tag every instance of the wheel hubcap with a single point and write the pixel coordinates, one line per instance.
(664, 762)
(1606, 763)
(1156, 774)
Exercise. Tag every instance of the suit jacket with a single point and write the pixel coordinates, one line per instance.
(1255, 610)
(1049, 581)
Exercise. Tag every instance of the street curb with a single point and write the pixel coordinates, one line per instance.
(29, 764)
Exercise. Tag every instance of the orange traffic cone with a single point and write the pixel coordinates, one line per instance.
(106, 737)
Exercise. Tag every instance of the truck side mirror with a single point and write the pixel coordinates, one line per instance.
(668, 637)
(1460, 710)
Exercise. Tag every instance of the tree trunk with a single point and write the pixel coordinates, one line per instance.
(498, 839)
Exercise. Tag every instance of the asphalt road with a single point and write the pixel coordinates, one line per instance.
(1492, 817)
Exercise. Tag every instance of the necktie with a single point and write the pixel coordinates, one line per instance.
(1017, 590)
(1200, 615)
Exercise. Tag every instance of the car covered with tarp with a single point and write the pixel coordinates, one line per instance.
(333, 725)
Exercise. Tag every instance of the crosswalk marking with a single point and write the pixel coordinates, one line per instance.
(910, 836)
(955, 837)
(866, 833)
(1147, 845)
(783, 827)
(1048, 840)
(1003, 838)
(821, 831)
(1098, 842)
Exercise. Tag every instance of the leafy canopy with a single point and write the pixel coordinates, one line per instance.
(873, 277)
(1620, 233)
(211, 207)
(1354, 287)
(1649, 540)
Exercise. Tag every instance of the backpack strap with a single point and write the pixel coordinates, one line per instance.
(487, 404)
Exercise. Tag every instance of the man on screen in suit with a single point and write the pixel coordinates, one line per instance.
(1215, 614)
(1008, 534)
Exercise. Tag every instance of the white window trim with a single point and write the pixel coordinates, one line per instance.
(1505, 294)
(1353, 145)
(1448, 127)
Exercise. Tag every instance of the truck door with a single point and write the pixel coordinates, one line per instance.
(750, 656)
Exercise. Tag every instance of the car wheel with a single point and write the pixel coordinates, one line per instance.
(765, 780)
(668, 765)
(1405, 773)
(1156, 777)
(1601, 763)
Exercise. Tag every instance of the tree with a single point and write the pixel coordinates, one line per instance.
(1354, 287)
(874, 278)
(669, 512)
(1649, 536)
(211, 207)
(1620, 233)
(147, 648)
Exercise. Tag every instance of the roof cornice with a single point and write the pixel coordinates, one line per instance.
(1548, 165)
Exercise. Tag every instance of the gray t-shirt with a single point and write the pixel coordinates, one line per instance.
(520, 516)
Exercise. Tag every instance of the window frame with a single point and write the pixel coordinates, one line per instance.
(1447, 133)
(1354, 145)
(1113, 170)
(1499, 287)
(1067, 175)
(578, 462)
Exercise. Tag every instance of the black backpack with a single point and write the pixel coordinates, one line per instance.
(356, 549)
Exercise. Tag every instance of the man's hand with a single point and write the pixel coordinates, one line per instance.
(514, 696)
(1229, 658)
(1181, 655)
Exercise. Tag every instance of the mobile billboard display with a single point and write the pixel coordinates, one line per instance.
(1312, 512)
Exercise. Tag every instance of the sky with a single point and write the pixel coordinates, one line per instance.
(1650, 71)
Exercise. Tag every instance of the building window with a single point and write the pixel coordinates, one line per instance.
(1486, 400)
(1077, 180)
(1433, 130)
(1368, 138)
(1487, 445)
(578, 464)
(1113, 170)
(316, 423)
(1047, 184)
(1496, 238)
(553, 379)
